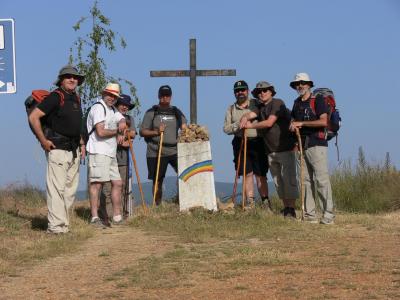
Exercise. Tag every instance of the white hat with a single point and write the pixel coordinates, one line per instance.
(301, 77)
(113, 89)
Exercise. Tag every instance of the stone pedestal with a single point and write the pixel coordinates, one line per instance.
(196, 176)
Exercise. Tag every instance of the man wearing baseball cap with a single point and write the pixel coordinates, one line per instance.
(106, 128)
(62, 113)
(256, 159)
(312, 124)
(162, 118)
(279, 142)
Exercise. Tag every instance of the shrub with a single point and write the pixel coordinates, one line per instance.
(365, 187)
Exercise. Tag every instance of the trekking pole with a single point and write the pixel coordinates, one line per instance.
(137, 174)
(158, 168)
(301, 173)
(237, 173)
(244, 167)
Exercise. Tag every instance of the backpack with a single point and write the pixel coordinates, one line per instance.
(84, 132)
(37, 97)
(334, 119)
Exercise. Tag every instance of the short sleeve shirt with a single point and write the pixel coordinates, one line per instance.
(302, 112)
(65, 119)
(277, 138)
(96, 144)
(152, 120)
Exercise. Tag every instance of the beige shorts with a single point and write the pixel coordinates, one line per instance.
(282, 166)
(103, 168)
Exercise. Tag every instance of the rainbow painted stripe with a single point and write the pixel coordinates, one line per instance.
(204, 166)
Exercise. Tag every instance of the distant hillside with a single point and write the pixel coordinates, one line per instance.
(222, 190)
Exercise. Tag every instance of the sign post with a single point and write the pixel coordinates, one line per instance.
(8, 78)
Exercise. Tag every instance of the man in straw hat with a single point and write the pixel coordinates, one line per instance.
(124, 105)
(312, 124)
(106, 127)
(62, 141)
(279, 142)
(162, 118)
(256, 159)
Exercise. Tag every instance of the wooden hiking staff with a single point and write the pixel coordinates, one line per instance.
(137, 173)
(237, 174)
(301, 173)
(158, 168)
(244, 167)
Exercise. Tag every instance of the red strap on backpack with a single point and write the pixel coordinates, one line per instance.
(40, 95)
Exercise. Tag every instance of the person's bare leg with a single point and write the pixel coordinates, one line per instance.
(116, 186)
(249, 182)
(262, 186)
(94, 190)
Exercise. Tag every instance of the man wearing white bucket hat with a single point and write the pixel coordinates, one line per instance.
(105, 126)
(312, 122)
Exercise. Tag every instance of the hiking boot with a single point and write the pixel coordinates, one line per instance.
(289, 212)
(325, 221)
(310, 220)
(250, 204)
(266, 204)
(118, 223)
(96, 222)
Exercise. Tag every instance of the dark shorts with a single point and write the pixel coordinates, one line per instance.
(164, 161)
(256, 158)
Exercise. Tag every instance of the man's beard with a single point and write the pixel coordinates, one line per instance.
(241, 99)
(303, 91)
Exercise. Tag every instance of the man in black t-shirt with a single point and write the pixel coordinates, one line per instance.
(310, 116)
(63, 145)
(274, 121)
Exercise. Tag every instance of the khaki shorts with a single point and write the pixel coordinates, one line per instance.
(283, 170)
(103, 168)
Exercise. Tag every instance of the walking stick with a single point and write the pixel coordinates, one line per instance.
(137, 173)
(237, 173)
(301, 173)
(244, 167)
(158, 167)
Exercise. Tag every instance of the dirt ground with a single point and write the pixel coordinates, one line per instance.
(364, 263)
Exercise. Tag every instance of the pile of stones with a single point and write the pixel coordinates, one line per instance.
(193, 133)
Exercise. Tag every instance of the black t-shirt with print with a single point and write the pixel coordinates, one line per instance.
(302, 112)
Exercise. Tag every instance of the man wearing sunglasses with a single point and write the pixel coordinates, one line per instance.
(62, 115)
(274, 120)
(312, 123)
(256, 160)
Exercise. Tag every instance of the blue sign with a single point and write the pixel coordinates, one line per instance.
(8, 82)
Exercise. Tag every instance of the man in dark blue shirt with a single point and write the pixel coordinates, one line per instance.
(310, 116)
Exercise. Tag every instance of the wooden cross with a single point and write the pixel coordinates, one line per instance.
(193, 73)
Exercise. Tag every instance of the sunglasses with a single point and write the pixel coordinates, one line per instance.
(264, 90)
(240, 90)
(69, 76)
(301, 82)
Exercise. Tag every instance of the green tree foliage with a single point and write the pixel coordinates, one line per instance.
(86, 55)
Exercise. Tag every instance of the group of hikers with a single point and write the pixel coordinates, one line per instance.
(104, 135)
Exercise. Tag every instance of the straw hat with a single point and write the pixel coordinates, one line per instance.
(113, 89)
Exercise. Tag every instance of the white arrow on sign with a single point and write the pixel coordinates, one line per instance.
(1, 84)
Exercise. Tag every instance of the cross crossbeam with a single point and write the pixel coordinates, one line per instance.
(193, 73)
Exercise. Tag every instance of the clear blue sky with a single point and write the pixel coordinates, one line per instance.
(351, 46)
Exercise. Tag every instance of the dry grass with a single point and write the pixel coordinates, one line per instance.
(23, 224)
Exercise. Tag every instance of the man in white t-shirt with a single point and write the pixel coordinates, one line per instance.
(106, 128)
